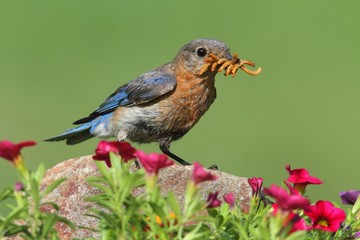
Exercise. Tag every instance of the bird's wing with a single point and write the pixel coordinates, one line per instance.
(140, 90)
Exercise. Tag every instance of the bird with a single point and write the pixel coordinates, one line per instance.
(161, 105)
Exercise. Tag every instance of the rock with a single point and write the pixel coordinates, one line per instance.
(70, 194)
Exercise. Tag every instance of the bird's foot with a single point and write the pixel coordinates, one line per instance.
(214, 167)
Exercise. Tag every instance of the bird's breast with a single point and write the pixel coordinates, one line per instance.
(190, 100)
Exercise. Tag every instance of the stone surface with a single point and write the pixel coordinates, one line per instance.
(70, 195)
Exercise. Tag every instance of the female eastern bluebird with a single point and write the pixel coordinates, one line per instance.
(159, 106)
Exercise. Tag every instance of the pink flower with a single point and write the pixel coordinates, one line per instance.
(230, 199)
(200, 175)
(284, 200)
(325, 216)
(19, 186)
(213, 200)
(123, 149)
(255, 184)
(11, 151)
(153, 162)
(301, 178)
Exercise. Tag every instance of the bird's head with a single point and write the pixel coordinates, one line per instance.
(206, 57)
(192, 56)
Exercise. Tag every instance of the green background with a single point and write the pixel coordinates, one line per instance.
(60, 59)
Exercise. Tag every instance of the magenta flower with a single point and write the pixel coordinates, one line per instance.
(284, 200)
(229, 199)
(349, 197)
(301, 178)
(291, 189)
(255, 184)
(11, 151)
(325, 216)
(122, 149)
(290, 218)
(153, 162)
(19, 186)
(200, 175)
(213, 200)
(299, 224)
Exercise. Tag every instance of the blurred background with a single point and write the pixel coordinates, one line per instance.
(60, 59)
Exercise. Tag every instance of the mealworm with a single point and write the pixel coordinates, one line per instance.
(229, 66)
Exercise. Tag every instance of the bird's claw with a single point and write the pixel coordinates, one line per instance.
(230, 66)
(214, 167)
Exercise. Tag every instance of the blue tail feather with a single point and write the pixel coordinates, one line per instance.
(80, 133)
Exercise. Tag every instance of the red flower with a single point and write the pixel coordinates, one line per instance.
(200, 175)
(11, 151)
(325, 216)
(213, 200)
(291, 189)
(230, 199)
(297, 223)
(255, 184)
(123, 149)
(153, 162)
(284, 200)
(301, 178)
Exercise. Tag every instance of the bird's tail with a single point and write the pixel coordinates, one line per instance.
(74, 135)
(80, 133)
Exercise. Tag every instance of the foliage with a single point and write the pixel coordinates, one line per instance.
(284, 213)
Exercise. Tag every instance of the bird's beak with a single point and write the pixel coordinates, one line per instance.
(228, 56)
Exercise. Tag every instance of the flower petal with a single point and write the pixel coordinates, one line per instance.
(153, 162)
(200, 175)
(349, 197)
(10, 151)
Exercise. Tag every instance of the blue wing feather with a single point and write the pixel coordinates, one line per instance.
(140, 90)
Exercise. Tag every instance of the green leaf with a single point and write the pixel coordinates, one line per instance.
(195, 233)
(100, 202)
(66, 221)
(356, 206)
(6, 193)
(39, 174)
(16, 229)
(174, 204)
(52, 204)
(15, 214)
(48, 224)
(220, 220)
(104, 188)
(213, 212)
(103, 169)
(52, 186)
(35, 190)
(296, 235)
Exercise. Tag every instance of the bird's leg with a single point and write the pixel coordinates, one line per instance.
(164, 147)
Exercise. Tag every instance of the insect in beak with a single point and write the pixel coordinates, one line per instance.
(230, 66)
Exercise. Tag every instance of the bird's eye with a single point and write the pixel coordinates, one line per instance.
(201, 52)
